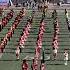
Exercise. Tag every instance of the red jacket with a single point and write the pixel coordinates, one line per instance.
(25, 66)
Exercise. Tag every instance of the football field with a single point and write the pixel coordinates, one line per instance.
(8, 58)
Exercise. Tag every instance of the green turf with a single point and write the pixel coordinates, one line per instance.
(8, 60)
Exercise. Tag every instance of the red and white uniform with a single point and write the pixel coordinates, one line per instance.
(37, 51)
(39, 44)
(34, 66)
(25, 66)
(43, 66)
(55, 44)
(22, 43)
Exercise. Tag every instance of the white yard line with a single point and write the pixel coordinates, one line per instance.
(29, 57)
(26, 57)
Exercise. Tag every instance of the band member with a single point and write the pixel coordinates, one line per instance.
(34, 65)
(67, 15)
(37, 51)
(17, 52)
(65, 11)
(65, 57)
(25, 65)
(55, 53)
(42, 67)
